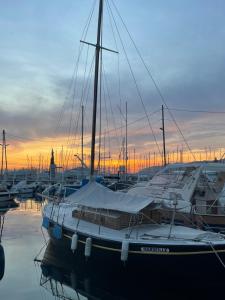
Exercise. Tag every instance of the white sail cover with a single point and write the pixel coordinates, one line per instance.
(97, 196)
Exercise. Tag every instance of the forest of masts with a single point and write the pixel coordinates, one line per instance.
(135, 162)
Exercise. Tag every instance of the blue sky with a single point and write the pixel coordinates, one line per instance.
(182, 41)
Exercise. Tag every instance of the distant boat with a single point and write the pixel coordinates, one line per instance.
(105, 226)
(23, 189)
(6, 194)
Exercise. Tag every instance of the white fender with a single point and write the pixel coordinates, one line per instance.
(87, 250)
(124, 250)
(74, 242)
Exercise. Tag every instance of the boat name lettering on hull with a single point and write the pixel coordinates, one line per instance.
(152, 249)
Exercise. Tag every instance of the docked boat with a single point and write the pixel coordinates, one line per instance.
(106, 226)
(6, 194)
(23, 189)
(59, 191)
(199, 189)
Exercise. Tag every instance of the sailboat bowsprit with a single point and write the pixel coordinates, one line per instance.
(108, 226)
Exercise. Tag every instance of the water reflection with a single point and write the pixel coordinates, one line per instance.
(4, 207)
(2, 262)
(67, 278)
(32, 205)
(7, 205)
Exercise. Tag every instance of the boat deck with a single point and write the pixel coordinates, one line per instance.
(156, 233)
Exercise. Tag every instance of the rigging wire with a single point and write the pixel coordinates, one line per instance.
(87, 91)
(71, 139)
(153, 80)
(197, 111)
(119, 80)
(83, 35)
(110, 103)
(77, 139)
(105, 104)
(76, 122)
(118, 66)
(134, 78)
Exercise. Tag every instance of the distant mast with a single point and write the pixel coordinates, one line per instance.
(4, 155)
(126, 153)
(52, 168)
(164, 138)
(82, 137)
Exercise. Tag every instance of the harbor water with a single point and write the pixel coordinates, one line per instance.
(33, 268)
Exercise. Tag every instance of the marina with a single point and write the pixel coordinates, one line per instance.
(109, 189)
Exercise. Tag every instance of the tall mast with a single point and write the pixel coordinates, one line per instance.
(100, 113)
(97, 55)
(164, 139)
(82, 135)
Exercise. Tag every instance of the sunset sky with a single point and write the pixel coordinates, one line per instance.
(42, 82)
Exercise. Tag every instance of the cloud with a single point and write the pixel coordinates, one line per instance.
(182, 45)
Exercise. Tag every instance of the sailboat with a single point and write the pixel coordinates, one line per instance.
(114, 227)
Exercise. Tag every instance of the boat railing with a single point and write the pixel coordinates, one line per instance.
(209, 210)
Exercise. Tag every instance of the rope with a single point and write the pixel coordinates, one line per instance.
(217, 255)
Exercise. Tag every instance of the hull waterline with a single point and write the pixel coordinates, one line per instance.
(147, 257)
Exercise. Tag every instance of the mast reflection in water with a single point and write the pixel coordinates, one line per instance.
(68, 278)
(4, 207)
(2, 262)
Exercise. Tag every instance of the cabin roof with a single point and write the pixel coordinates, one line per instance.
(97, 196)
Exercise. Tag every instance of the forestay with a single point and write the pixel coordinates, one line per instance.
(95, 195)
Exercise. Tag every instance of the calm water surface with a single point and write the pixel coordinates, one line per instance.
(35, 273)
